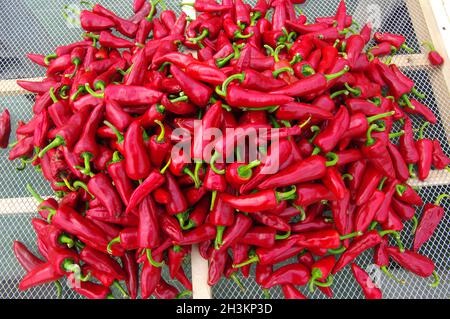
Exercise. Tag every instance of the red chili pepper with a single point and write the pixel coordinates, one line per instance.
(433, 56)
(39, 275)
(60, 64)
(92, 22)
(200, 234)
(197, 92)
(39, 59)
(153, 181)
(308, 194)
(24, 148)
(398, 41)
(376, 152)
(367, 241)
(102, 262)
(401, 169)
(150, 277)
(367, 212)
(125, 27)
(301, 111)
(417, 264)
(369, 289)
(25, 257)
(303, 171)
(5, 128)
(369, 182)
(294, 274)
(431, 218)
(310, 85)
(263, 200)
(425, 149)
(68, 134)
(137, 161)
(440, 160)
(320, 271)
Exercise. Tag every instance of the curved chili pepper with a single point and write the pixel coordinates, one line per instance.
(102, 262)
(303, 171)
(367, 241)
(25, 257)
(431, 217)
(367, 212)
(401, 169)
(39, 275)
(294, 274)
(433, 56)
(92, 22)
(417, 264)
(308, 194)
(369, 289)
(425, 148)
(408, 195)
(5, 128)
(440, 160)
(68, 134)
(151, 183)
(200, 234)
(310, 85)
(298, 111)
(376, 152)
(263, 200)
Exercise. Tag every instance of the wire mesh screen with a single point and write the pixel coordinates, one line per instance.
(38, 26)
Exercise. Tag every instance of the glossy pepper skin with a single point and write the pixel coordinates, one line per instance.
(101, 187)
(294, 274)
(197, 92)
(137, 162)
(431, 217)
(425, 148)
(5, 128)
(154, 180)
(363, 243)
(418, 264)
(369, 289)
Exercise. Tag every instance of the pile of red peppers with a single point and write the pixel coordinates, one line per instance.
(101, 135)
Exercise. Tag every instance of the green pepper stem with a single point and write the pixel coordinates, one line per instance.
(316, 151)
(338, 93)
(34, 193)
(383, 181)
(219, 237)
(119, 287)
(250, 261)
(334, 159)
(111, 243)
(213, 166)
(79, 184)
(347, 176)
(50, 57)
(58, 289)
(203, 35)
(390, 275)
(116, 157)
(239, 76)
(397, 134)
(396, 236)
(440, 198)
(420, 95)
(436, 280)
(234, 277)
(66, 240)
(183, 98)
(119, 135)
(152, 10)
(380, 116)
(164, 169)
(93, 93)
(188, 172)
(239, 35)
(292, 194)
(87, 163)
(338, 74)
(284, 236)
(282, 70)
(219, 91)
(245, 171)
(405, 99)
(52, 95)
(412, 173)
(77, 93)
(429, 45)
(152, 261)
(407, 48)
(58, 141)
(326, 284)
(223, 61)
(422, 129)
(337, 251)
(186, 293)
(352, 235)
(415, 224)
(370, 140)
(213, 200)
(161, 135)
(355, 92)
(301, 210)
